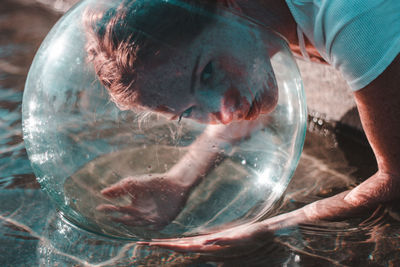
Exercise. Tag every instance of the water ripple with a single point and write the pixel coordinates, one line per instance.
(34, 234)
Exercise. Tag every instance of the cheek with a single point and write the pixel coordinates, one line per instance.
(164, 91)
(232, 67)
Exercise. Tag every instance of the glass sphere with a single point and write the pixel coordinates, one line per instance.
(154, 119)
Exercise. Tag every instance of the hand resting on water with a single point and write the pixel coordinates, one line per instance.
(156, 199)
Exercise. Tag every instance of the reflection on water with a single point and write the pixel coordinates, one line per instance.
(34, 234)
(61, 236)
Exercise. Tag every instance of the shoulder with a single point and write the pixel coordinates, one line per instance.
(360, 38)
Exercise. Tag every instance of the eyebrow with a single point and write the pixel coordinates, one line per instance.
(194, 72)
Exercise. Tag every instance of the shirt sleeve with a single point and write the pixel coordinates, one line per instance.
(360, 38)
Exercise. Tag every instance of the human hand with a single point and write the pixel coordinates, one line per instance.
(378, 189)
(155, 200)
(237, 240)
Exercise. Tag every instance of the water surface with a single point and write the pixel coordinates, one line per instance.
(32, 233)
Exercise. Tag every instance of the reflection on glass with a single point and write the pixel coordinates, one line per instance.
(140, 131)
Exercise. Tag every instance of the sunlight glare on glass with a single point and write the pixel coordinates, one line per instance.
(267, 179)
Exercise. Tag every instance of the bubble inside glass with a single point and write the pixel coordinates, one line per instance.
(154, 119)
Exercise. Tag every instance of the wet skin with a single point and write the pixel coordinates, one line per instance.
(379, 108)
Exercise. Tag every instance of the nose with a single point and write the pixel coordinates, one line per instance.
(233, 106)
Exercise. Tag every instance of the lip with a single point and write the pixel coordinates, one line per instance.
(238, 108)
(226, 116)
(254, 111)
(264, 103)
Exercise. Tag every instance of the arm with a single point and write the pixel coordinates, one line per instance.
(156, 199)
(379, 107)
(208, 150)
(202, 155)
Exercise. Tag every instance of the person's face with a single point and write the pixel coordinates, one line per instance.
(224, 75)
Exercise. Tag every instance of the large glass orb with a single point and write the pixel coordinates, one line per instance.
(203, 133)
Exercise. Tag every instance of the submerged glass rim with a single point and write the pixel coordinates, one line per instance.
(220, 13)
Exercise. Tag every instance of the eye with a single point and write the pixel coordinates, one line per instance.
(185, 114)
(207, 72)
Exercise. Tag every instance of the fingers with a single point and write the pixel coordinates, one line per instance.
(114, 191)
(118, 189)
(184, 246)
(193, 244)
(130, 185)
(234, 239)
(221, 242)
(132, 216)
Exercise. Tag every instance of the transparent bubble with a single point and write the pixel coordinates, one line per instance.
(147, 119)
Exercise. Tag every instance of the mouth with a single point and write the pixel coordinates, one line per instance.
(235, 107)
(255, 110)
(264, 102)
(226, 115)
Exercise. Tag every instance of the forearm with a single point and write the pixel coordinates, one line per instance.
(379, 108)
(202, 155)
(209, 149)
(380, 116)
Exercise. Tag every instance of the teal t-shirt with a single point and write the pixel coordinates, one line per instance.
(360, 38)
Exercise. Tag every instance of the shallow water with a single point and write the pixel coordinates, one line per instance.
(227, 194)
(32, 233)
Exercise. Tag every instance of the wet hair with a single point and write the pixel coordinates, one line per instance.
(118, 39)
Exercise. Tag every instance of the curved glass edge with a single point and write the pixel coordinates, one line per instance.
(300, 134)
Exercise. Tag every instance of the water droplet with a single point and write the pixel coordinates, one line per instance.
(297, 258)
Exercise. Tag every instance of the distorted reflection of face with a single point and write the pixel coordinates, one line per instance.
(223, 75)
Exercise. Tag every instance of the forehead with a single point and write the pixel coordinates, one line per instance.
(164, 80)
(222, 34)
